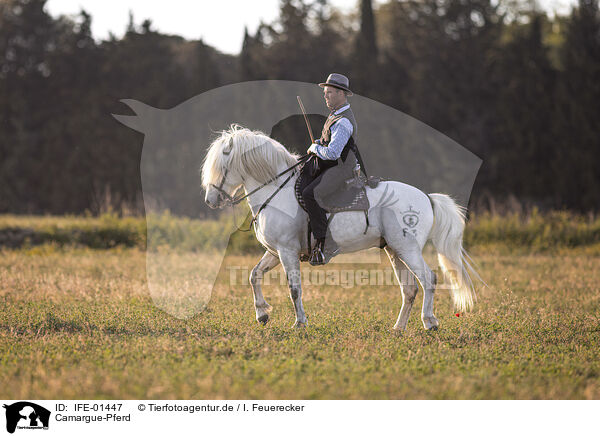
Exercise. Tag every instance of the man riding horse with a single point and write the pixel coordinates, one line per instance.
(332, 162)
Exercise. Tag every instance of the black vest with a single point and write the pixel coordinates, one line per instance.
(326, 137)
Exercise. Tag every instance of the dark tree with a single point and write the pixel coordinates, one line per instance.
(576, 125)
(365, 65)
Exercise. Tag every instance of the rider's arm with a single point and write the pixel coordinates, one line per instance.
(340, 134)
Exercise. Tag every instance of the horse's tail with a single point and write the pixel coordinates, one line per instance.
(447, 235)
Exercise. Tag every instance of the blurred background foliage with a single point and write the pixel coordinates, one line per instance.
(517, 87)
(535, 232)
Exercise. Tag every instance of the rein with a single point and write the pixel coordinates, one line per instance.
(232, 200)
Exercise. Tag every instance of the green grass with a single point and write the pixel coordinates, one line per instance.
(79, 323)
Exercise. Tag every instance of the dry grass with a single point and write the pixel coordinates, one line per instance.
(80, 323)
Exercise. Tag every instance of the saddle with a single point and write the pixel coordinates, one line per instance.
(351, 196)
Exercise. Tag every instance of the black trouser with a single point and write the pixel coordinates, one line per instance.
(316, 215)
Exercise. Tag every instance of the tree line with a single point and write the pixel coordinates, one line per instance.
(517, 87)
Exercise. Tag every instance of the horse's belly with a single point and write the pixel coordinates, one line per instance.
(348, 230)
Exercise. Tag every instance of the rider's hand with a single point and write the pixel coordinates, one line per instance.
(312, 149)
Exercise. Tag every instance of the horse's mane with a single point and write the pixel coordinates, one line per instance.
(253, 153)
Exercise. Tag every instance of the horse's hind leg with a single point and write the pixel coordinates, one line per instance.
(407, 248)
(409, 288)
(267, 263)
(411, 254)
(430, 322)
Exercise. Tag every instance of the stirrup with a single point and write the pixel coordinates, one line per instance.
(317, 257)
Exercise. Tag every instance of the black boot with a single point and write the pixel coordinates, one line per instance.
(317, 257)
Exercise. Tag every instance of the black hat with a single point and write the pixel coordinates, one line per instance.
(337, 81)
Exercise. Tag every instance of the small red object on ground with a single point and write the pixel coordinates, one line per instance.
(457, 314)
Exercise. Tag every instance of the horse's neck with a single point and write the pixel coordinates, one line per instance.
(259, 197)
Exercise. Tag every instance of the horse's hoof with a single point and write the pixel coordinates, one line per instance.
(263, 319)
(397, 332)
(299, 325)
(433, 329)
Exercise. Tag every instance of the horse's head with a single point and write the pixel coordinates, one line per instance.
(220, 178)
(240, 156)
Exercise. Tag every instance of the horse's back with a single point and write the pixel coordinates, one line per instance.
(392, 191)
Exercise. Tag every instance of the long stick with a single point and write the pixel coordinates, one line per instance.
(312, 139)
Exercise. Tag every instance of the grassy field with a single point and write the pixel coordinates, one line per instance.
(79, 323)
(529, 232)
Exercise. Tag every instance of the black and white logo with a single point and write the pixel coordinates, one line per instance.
(410, 217)
(26, 415)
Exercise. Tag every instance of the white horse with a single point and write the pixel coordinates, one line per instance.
(400, 214)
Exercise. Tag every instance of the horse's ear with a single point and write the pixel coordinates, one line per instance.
(227, 149)
(138, 121)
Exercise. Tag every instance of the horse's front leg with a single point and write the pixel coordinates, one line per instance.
(291, 264)
(267, 263)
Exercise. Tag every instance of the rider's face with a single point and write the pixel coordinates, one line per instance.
(334, 97)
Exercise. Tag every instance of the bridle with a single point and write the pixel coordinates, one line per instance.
(222, 193)
(232, 200)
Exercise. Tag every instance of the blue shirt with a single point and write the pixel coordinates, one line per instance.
(341, 131)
